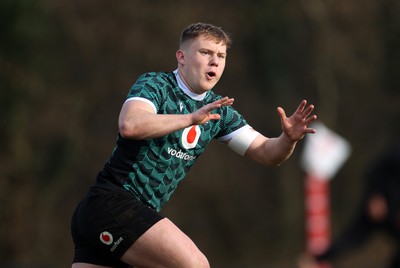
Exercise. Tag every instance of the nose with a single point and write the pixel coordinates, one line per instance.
(214, 61)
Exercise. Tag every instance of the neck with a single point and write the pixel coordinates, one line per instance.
(185, 88)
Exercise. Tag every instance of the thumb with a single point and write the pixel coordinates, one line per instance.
(281, 112)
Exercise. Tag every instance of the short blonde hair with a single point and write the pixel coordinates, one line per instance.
(208, 31)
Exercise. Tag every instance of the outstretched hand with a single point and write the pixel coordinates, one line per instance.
(296, 126)
(204, 114)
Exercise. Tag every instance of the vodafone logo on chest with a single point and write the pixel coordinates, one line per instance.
(190, 136)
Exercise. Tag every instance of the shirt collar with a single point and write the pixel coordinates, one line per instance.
(186, 90)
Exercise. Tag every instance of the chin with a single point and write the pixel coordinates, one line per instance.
(209, 86)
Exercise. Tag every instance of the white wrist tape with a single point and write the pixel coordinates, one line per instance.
(241, 139)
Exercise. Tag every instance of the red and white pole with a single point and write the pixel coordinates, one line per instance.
(324, 153)
(318, 227)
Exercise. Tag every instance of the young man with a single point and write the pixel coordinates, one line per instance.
(166, 122)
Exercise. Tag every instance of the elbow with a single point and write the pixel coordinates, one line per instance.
(128, 131)
(125, 131)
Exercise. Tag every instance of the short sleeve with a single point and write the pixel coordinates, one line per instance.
(147, 87)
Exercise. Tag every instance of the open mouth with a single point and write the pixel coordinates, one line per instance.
(211, 74)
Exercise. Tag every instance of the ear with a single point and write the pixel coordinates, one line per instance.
(180, 56)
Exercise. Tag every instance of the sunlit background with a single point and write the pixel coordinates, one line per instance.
(66, 67)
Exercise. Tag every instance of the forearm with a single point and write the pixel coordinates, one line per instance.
(147, 125)
(271, 151)
(138, 120)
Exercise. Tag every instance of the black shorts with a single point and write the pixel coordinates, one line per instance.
(106, 223)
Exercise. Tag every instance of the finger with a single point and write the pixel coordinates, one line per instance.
(215, 116)
(301, 106)
(310, 131)
(227, 101)
(218, 103)
(212, 106)
(308, 110)
(281, 112)
(221, 101)
(310, 119)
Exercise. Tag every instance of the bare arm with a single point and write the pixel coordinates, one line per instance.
(273, 151)
(137, 119)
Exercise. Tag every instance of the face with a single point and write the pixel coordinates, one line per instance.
(201, 63)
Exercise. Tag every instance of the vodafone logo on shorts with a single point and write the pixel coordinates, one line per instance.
(106, 238)
(190, 136)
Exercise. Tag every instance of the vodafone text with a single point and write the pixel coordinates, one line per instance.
(116, 244)
(181, 155)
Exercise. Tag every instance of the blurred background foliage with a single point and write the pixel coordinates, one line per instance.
(66, 67)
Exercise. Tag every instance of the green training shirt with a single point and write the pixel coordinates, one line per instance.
(153, 168)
